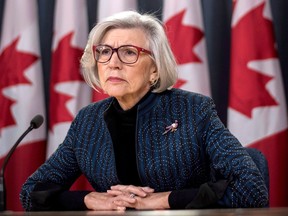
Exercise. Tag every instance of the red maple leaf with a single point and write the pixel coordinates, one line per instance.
(252, 40)
(13, 65)
(183, 39)
(65, 68)
(179, 83)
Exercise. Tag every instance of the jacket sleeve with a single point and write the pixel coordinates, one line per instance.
(230, 159)
(47, 196)
(61, 169)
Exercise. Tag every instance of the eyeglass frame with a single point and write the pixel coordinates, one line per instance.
(139, 49)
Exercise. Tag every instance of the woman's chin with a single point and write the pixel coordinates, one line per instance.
(115, 93)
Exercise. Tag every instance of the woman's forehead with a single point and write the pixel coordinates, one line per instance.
(124, 36)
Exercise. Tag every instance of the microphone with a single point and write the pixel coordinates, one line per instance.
(35, 123)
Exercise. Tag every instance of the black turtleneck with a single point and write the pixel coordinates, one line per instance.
(124, 144)
(122, 127)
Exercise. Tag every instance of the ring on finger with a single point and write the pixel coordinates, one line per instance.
(132, 195)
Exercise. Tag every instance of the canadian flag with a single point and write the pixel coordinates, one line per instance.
(257, 113)
(107, 8)
(68, 91)
(185, 32)
(21, 96)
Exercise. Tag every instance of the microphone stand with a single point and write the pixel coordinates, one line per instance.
(2, 171)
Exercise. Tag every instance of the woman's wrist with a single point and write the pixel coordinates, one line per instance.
(163, 200)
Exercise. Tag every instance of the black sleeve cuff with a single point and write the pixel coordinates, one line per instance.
(53, 197)
(72, 200)
(206, 196)
(179, 199)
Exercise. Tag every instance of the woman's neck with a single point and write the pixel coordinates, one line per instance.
(128, 103)
(127, 106)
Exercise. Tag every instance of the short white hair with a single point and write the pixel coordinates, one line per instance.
(157, 41)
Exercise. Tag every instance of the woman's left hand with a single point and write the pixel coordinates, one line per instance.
(144, 196)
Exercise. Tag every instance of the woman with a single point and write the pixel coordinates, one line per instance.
(147, 146)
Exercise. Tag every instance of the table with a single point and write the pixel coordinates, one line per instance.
(206, 212)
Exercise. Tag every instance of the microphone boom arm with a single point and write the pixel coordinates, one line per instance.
(35, 123)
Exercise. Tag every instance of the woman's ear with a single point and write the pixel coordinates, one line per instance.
(154, 77)
(153, 74)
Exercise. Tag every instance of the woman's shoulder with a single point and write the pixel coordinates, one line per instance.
(184, 101)
(97, 107)
(188, 95)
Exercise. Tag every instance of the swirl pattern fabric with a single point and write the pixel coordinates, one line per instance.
(179, 159)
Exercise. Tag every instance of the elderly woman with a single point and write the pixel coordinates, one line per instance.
(147, 146)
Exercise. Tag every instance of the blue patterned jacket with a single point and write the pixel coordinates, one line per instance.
(171, 161)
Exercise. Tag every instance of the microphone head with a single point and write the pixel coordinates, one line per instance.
(37, 121)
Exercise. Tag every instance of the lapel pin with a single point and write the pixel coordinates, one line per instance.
(171, 128)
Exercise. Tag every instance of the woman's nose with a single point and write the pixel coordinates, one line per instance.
(115, 59)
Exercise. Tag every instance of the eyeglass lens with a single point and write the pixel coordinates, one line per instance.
(126, 54)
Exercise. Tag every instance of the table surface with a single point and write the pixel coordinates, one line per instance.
(206, 212)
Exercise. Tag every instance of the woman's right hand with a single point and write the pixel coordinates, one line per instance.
(103, 201)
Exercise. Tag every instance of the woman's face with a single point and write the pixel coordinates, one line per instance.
(127, 82)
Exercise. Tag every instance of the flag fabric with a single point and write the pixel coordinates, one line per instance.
(185, 31)
(21, 96)
(257, 113)
(107, 8)
(68, 91)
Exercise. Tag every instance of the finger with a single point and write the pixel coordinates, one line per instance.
(148, 189)
(127, 198)
(140, 191)
(125, 189)
(114, 192)
(117, 193)
(123, 203)
(118, 187)
(120, 208)
(131, 189)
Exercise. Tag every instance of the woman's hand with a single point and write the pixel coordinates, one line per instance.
(105, 201)
(144, 197)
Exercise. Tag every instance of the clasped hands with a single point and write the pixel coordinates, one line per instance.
(121, 197)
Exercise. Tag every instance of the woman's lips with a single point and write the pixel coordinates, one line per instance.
(115, 79)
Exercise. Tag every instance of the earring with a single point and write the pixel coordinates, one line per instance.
(153, 82)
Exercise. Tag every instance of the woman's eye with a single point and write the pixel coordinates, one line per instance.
(130, 52)
(106, 52)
